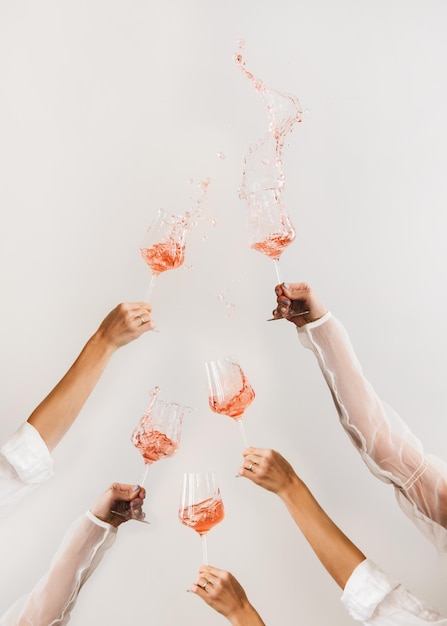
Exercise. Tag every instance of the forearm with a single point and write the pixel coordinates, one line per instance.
(335, 551)
(56, 413)
(55, 595)
(390, 450)
(374, 428)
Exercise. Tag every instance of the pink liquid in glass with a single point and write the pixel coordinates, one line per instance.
(202, 516)
(167, 255)
(236, 405)
(275, 244)
(153, 445)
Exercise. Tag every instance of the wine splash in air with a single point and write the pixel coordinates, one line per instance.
(164, 244)
(269, 226)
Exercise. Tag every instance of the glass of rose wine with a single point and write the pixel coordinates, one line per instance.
(157, 437)
(163, 246)
(270, 228)
(229, 392)
(270, 231)
(201, 506)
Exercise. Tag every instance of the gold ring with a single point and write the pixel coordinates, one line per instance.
(204, 586)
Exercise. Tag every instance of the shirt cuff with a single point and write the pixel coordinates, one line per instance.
(100, 522)
(366, 588)
(26, 451)
(315, 324)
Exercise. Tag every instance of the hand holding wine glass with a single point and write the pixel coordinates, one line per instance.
(270, 230)
(157, 436)
(298, 303)
(201, 506)
(229, 392)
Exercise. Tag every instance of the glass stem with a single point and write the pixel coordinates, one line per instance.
(240, 423)
(278, 277)
(150, 288)
(204, 549)
(144, 476)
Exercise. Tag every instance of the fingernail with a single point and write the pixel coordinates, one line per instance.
(282, 309)
(135, 488)
(285, 285)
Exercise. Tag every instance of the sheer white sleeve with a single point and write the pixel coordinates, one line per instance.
(387, 446)
(51, 601)
(372, 598)
(24, 463)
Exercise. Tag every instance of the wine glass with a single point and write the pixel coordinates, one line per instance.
(163, 246)
(270, 228)
(201, 506)
(229, 392)
(157, 436)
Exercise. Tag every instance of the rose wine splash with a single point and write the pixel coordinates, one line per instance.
(203, 516)
(152, 444)
(163, 246)
(229, 392)
(236, 405)
(157, 435)
(201, 506)
(163, 256)
(269, 225)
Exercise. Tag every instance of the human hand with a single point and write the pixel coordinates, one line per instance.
(268, 469)
(295, 298)
(125, 323)
(125, 499)
(221, 591)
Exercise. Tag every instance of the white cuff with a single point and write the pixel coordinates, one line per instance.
(315, 324)
(26, 451)
(366, 588)
(100, 522)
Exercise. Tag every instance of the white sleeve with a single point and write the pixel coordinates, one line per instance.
(389, 449)
(371, 597)
(51, 601)
(25, 462)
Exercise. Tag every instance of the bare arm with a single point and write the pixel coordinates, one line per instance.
(56, 413)
(335, 551)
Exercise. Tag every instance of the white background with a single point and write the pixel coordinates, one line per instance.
(107, 108)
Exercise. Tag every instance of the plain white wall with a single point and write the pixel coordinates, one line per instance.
(107, 108)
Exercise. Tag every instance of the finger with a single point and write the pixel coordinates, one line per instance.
(122, 492)
(212, 574)
(145, 307)
(278, 290)
(197, 589)
(295, 291)
(281, 310)
(255, 454)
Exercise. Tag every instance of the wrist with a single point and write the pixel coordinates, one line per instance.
(99, 343)
(246, 616)
(293, 489)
